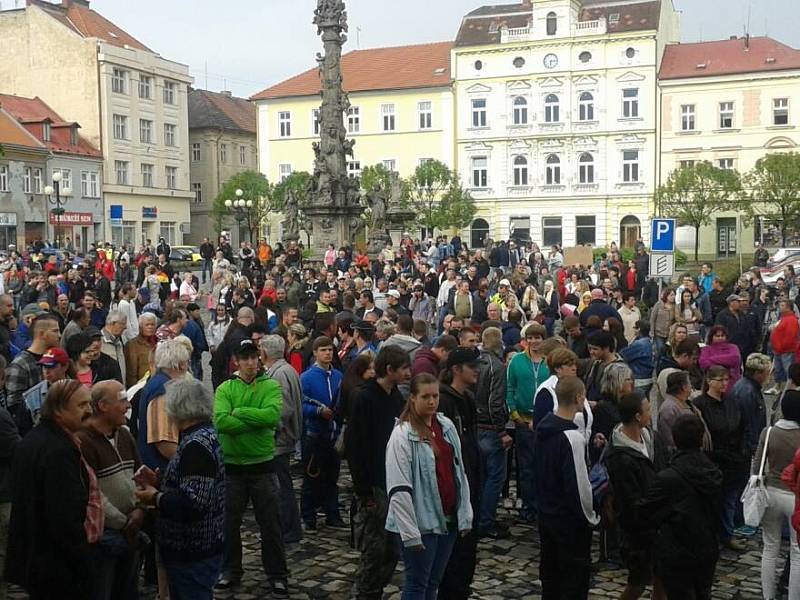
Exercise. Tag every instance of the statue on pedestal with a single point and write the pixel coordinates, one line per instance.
(291, 226)
(377, 202)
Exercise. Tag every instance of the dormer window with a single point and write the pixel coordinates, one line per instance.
(552, 23)
(46, 131)
(73, 136)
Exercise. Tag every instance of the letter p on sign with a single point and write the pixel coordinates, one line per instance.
(663, 235)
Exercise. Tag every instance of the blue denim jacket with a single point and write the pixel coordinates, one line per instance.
(415, 507)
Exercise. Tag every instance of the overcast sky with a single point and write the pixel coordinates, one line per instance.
(248, 45)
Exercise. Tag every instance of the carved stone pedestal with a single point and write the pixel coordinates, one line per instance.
(332, 226)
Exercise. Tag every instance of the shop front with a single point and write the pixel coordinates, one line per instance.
(75, 227)
(8, 230)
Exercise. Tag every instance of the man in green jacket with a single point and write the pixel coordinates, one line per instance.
(247, 411)
(526, 372)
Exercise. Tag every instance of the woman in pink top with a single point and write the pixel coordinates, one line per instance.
(719, 351)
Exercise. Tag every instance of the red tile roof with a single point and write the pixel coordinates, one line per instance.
(221, 110)
(35, 110)
(727, 57)
(77, 15)
(14, 134)
(401, 67)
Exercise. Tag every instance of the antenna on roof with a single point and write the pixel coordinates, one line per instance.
(206, 70)
(358, 38)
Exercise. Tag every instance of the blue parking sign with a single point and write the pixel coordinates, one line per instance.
(662, 238)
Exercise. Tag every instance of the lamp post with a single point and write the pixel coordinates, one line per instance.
(53, 193)
(240, 209)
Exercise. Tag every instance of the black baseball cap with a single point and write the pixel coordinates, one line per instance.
(463, 356)
(246, 349)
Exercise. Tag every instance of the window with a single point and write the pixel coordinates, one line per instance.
(390, 164)
(195, 152)
(169, 92)
(687, 117)
(73, 135)
(65, 187)
(167, 231)
(124, 234)
(630, 166)
(480, 172)
(353, 120)
(780, 111)
(388, 117)
(315, 121)
(147, 175)
(170, 135)
(26, 180)
(121, 171)
(585, 57)
(37, 181)
(553, 170)
(285, 123)
(46, 131)
(172, 177)
(520, 170)
(519, 227)
(425, 110)
(424, 161)
(242, 156)
(223, 153)
(725, 163)
(585, 230)
(586, 107)
(586, 168)
(551, 231)
(519, 62)
(479, 112)
(120, 123)
(354, 168)
(197, 188)
(686, 164)
(146, 131)
(520, 111)
(551, 109)
(145, 87)
(3, 178)
(478, 65)
(552, 23)
(90, 184)
(630, 52)
(284, 170)
(726, 115)
(630, 103)
(119, 81)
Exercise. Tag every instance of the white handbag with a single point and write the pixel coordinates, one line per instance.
(754, 498)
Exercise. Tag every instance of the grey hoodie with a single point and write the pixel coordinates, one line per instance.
(619, 439)
(291, 427)
(404, 342)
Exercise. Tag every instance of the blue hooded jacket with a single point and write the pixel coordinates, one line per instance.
(320, 389)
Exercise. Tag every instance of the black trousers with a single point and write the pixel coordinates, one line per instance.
(684, 582)
(565, 561)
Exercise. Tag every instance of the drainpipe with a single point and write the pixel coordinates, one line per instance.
(102, 174)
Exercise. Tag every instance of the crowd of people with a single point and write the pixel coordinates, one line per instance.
(144, 409)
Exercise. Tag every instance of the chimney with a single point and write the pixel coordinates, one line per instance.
(747, 42)
(227, 93)
(734, 37)
(68, 3)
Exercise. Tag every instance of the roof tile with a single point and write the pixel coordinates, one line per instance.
(14, 134)
(218, 110)
(401, 67)
(727, 57)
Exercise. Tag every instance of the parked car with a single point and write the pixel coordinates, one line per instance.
(781, 254)
(185, 255)
(773, 271)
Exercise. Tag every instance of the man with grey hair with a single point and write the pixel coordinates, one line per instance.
(749, 397)
(109, 448)
(273, 349)
(158, 435)
(112, 343)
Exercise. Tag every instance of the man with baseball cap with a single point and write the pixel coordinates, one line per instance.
(55, 364)
(22, 336)
(733, 321)
(247, 411)
(393, 301)
(363, 334)
(457, 402)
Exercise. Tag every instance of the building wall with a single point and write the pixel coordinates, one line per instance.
(212, 174)
(752, 136)
(89, 206)
(22, 214)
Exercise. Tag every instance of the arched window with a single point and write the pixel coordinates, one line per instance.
(551, 111)
(586, 168)
(553, 170)
(552, 23)
(479, 232)
(520, 170)
(520, 111)
(586, 107)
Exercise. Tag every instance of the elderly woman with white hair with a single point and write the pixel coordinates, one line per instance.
(137, 350)
(190, 494)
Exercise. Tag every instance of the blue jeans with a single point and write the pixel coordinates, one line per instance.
(730, 501)
(193, 580)
(493, 458)
(523, 439)
(782, 364)
(424, 568)
(207, 266)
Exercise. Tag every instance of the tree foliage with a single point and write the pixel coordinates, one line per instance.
(255, 188)
(694, 193)
(298, 183)
(376, 175)
(773, 190)
(427, 186)
(457, 207)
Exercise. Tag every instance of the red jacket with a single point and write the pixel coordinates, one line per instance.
(791, 477)
(786, 335)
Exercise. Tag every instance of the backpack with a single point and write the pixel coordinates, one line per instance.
(598, 477)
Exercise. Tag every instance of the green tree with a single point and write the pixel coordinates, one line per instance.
(375, 174)
(256, 189)
(692, 194)
(426, 187)
(457, 207)
(773, 190)
(298, 183)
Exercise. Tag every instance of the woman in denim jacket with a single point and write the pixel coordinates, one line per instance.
(428, 490)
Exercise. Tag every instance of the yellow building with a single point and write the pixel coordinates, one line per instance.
(728, 102)
(401, 113)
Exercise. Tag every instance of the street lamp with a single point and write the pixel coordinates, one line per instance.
(53, 193)
(240, 208)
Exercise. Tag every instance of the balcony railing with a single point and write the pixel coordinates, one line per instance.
(597, 27)
(515, 34)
